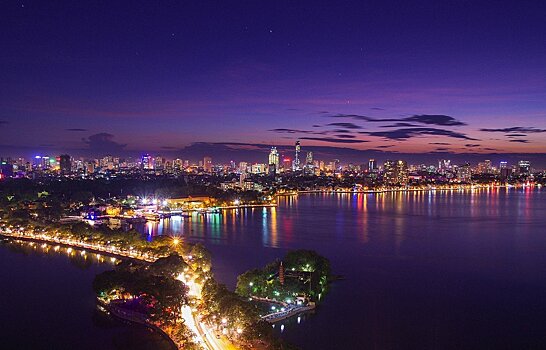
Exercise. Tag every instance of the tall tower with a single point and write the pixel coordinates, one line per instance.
(309, 167)
(309, 158)
(281, 274)
(207, 164)
(146, 162)
(65, 164)
(296, 163)
(273, 160)
(372, 165)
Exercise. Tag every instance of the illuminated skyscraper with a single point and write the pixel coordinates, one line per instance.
(177, 164)
(296, 163)
(309, 158)
(372, 165)
(243, 167)
(504, 170)
(401, 172)
(273, 161)
(389, 172)
(65, 164)
(309, 165)
(464, 174)
(207, 164)
(286, 164)
(147, 162)
(524, 167)
(159, 163)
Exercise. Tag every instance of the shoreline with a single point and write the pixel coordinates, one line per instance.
(458, 188)
(67, 245)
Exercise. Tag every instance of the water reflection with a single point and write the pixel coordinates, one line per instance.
(77, 257)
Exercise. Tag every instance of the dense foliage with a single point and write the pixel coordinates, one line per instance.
(306, 274)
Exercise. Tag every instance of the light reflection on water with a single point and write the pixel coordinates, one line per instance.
(438, 269)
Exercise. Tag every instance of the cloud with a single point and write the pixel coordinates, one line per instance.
(520, 129)
(76, 129)
(345, 136)
(520, 141)
(399, 125)
(406, 133)
(427, 119)
(292, 131)
(346, 125)
(385, 146)
(472, 145)
(517, 135)
(434, 119)
(169, 147)
(329, 139)
(377, 109)
(442, 149)
(440, 143)
(103, 142)
(3, 122)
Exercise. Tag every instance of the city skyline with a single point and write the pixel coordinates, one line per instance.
(386, 78)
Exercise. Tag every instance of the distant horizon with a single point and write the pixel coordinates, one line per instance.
(226, 152)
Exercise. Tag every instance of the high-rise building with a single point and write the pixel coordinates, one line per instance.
(6, 169)
(207, 164)
(258, 168)
(504, 170)
(90, 167)
(309, 165)
(177, 164)
(372, 165)
(243, 167)
(147, 162)
(159, 163)
(444, 165)
(389, 172)
(401, 172)
(286, 164)
(65, 164)
(273, 160)
(309, 158)
(464, 173)
(296, 163)
(524, 167)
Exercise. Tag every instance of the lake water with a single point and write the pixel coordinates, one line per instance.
(47, 302)
(422, 270)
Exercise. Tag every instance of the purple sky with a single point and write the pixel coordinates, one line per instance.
(417, 77)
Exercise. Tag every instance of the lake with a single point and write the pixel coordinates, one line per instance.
(422, 270)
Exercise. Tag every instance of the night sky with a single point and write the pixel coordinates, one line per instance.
(164, 76)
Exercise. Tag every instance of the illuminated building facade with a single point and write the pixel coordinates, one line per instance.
(296, 163)
(207, 164)
(524, 167)
(273, 160)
